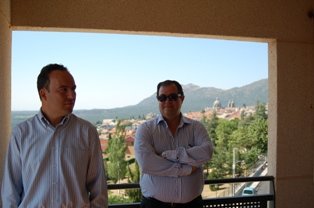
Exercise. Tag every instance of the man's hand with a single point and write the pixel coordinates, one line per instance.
(193, 169)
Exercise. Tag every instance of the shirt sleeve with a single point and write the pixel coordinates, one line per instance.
(12, 187)
(196, 155)
(96, 180)
(152, 163)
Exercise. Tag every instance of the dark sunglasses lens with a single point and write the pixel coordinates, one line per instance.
(162, 98)
(171, 97)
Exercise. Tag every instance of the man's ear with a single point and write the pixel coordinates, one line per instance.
(42, 93)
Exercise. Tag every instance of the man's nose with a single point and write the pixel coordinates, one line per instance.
(71, 94)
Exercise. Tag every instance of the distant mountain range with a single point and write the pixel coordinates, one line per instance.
(196, 99)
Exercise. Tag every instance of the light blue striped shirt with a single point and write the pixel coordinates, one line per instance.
(166, 161)
(54, 167)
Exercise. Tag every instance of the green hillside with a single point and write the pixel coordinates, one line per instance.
(196, 99)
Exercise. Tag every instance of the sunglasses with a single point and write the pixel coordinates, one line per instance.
(171, 97)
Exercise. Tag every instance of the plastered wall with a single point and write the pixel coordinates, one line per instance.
(285, 25)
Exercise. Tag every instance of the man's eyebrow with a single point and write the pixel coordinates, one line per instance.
(67, 86)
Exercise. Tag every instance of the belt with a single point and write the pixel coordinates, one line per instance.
(169, 204)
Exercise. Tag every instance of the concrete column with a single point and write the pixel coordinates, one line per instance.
(272, 108)
(5, 80)
(294, 145)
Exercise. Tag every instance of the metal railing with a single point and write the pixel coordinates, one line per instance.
(235, 200)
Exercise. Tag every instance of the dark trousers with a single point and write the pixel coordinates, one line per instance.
(154, 203)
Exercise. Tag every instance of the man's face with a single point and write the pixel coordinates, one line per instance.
(60, 97)
(170, 107)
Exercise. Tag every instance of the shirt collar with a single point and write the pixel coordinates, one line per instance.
(46, 122)
(184, 120)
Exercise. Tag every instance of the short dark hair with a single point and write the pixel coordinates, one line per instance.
(43, 77)
(170, 82)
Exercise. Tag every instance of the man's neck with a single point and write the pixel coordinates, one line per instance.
(53, 120)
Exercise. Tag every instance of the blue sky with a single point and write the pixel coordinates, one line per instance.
(113, 70)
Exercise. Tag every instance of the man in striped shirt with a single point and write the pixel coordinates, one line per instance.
(170, 150)
(54, 159)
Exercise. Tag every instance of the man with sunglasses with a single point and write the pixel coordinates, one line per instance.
(171, 150)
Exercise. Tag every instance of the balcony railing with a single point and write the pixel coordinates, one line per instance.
(229, 199)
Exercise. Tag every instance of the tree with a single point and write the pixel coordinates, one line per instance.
(210, 125)
(116, 150)
(260, 111)
(258, 132)
(221, 163)
(134, 177)
(251, 137)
